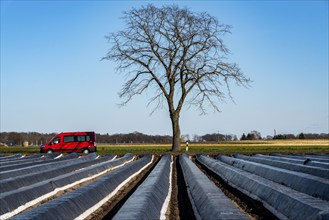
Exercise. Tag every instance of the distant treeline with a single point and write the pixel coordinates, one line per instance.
(17, 138)
(133, 138)
(35, 138)
(302, 136)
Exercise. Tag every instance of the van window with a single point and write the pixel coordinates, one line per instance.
(81, 138)
(56, 141)
(84, 138)
(68, 139)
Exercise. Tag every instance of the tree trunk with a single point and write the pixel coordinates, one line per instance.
(176, 132)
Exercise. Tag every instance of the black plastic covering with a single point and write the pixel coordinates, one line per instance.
(22, 159)
(71, 205)
(46, 172)
(33, 167)
(282, 201)
(147, 201)
(305, 157)
(15, 157)
(207, 200)
(5, 157)
(28, 159)
(316, 171)
(12, 200)
(312, 185)
(306, 162)
(47, 160)
(314, 155)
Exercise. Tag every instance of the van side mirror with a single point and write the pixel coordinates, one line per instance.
(55, 142)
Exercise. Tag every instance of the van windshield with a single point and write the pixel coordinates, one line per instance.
(56, 141)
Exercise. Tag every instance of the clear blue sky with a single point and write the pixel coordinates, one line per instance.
(53, 79)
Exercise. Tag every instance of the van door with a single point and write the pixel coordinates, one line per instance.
(69, 143)
(55, 144)
(82, 143)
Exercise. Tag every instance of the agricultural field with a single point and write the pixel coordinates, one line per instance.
(229, 147)
(250, 180)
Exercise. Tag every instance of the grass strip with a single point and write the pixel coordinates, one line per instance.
(229, 147)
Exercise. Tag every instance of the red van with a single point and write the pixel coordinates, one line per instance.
(83, 142)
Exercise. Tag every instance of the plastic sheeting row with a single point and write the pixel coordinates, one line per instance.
(19, 158)
(15, 201)
(315, 171)
(283, 201)
(306, 183)
(74, 205)
(315, 158)
(38, 174)
(42, 166)
(207, 200)
(10, 157)
(51, 158)
(303, 160)
(151, 199)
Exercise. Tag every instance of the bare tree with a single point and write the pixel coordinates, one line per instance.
(179, 55)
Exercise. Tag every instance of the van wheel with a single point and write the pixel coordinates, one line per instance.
(50, 151)
(85, 151)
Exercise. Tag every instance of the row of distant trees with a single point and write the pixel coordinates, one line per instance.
(255, 135)
(17, 138)
(134, 137)
(302, 136)
(35, 138)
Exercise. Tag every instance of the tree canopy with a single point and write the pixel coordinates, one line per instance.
(177, 53)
